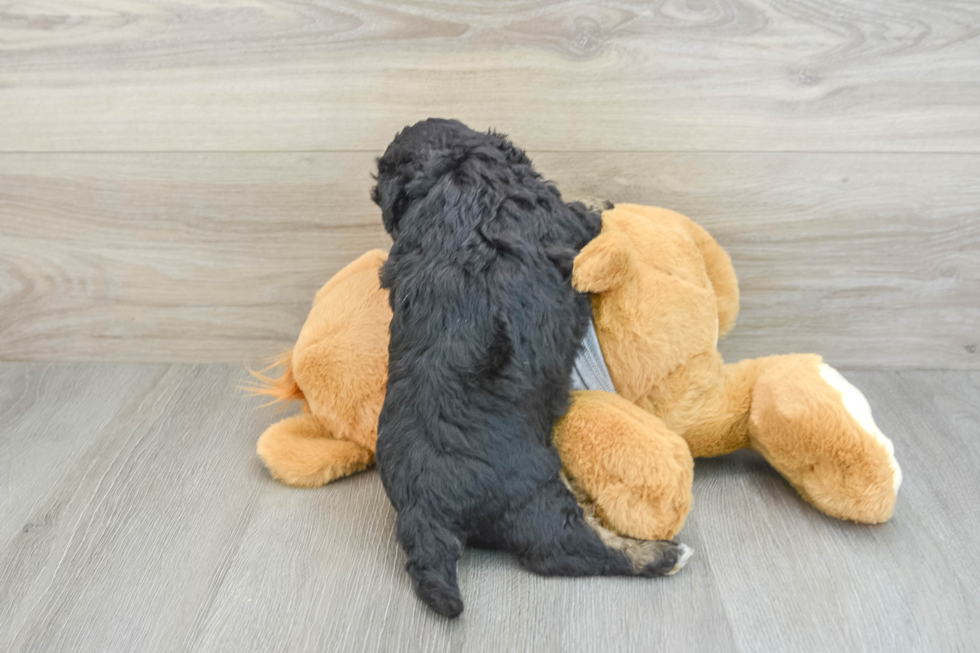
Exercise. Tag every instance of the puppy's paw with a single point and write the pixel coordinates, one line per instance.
(658, 557)
(596, 204)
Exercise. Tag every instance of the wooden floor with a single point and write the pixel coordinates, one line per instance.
(134, 516)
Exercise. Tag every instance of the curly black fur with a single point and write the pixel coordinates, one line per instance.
(483, 338)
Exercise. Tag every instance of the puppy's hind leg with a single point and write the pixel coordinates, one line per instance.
(433, 551)
(552, 537)
(639, 551)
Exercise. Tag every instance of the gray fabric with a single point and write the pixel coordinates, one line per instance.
(590, 371)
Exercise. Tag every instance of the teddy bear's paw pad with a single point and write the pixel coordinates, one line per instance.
(658, 557)
(857, 405)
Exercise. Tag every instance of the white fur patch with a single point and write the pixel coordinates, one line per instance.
(717, 330)
(686, 553)
(857, 405)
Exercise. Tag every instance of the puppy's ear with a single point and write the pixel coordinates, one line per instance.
(430, 165)
(604, 263)
(389, 195)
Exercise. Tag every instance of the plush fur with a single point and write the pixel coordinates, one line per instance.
(484, 330)
(663, 292)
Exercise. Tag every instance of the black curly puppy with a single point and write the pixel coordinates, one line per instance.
(485, 330)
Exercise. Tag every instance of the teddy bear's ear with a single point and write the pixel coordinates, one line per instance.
(603, 264)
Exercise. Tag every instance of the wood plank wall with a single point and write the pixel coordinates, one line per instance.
(177, 178)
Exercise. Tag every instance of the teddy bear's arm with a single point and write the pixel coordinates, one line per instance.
(603, 264)
(637, 472)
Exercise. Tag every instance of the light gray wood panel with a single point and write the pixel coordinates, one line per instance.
(52, 420)
(321, 571)
(814, 75)
(131, 535)
(872, 260)
(173, 257)
(50, 434)
(164, 533)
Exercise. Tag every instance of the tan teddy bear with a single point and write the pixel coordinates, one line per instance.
(663, 292)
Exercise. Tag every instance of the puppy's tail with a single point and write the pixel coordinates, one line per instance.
(439, 592)
(433, 550)
(282, 389)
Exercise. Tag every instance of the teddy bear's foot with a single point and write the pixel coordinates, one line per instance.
(817, 430)
(636, 471)
(857, 405)
(301, 452)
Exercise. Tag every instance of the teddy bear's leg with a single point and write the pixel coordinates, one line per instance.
(300, 451)
(816, 429)
(635, 470)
